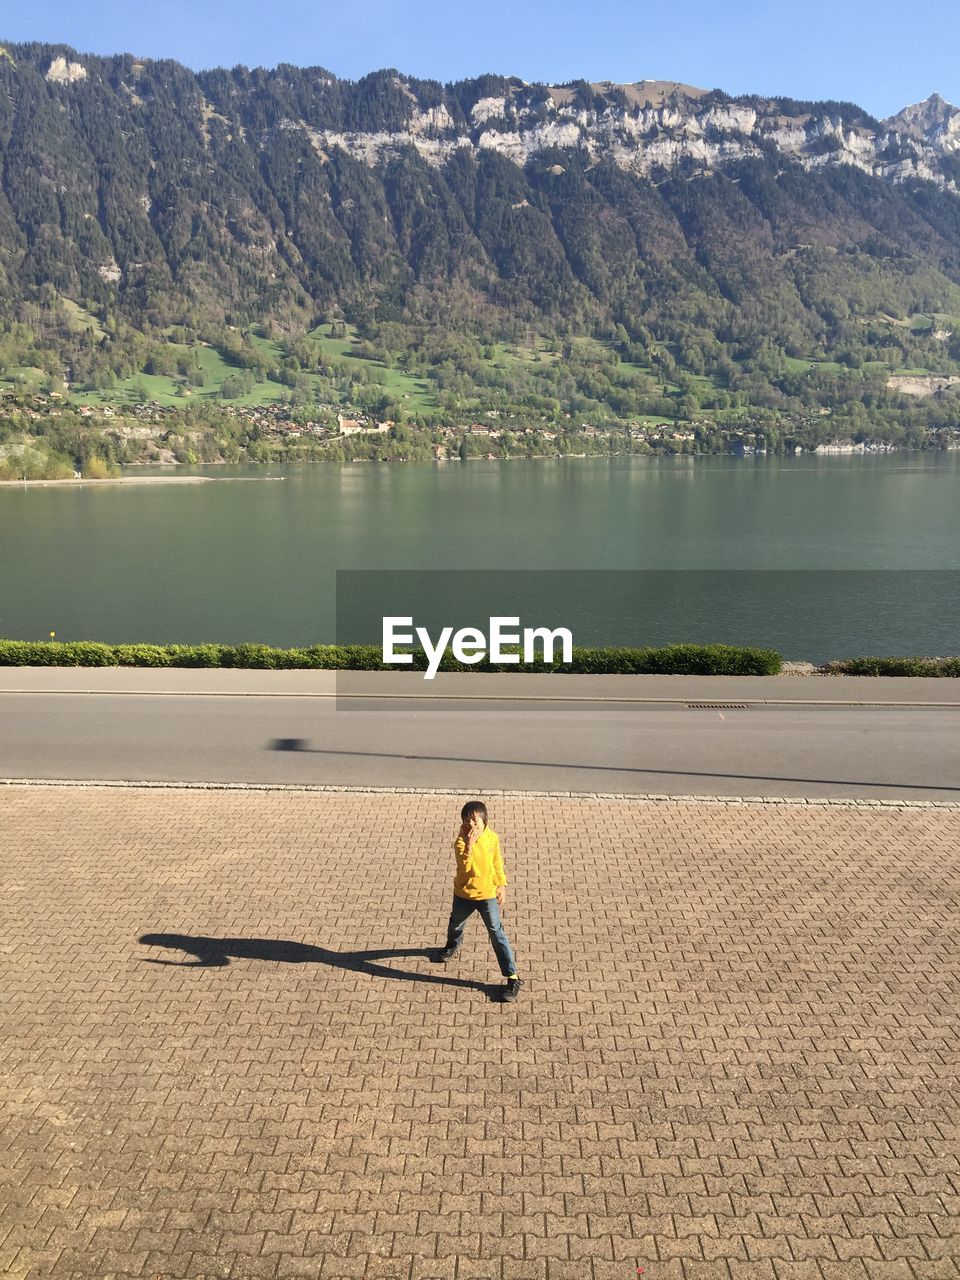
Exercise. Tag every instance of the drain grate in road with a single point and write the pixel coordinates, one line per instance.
(718, 706)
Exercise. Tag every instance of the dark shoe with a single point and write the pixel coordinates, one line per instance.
(511, 990)
(447, 954)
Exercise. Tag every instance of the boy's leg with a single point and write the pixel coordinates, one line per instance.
(463, 909)
(490, 910)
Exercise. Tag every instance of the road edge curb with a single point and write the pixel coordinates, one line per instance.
(506, 793)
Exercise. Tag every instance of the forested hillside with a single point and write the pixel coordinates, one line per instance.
(428, 250)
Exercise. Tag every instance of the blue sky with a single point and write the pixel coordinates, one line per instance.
(875, 54)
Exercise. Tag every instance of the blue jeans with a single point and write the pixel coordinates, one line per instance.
(489, 908)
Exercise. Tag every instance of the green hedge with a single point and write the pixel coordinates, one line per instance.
(674, 659)
(892, 667)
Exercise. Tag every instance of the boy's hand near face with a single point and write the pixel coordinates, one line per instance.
(471, 831)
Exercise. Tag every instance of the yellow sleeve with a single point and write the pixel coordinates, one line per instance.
(499, 875)
(463, 861)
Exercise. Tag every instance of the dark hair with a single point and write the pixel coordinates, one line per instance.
(472, 807)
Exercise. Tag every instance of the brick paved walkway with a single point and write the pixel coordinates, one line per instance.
(735, 1059)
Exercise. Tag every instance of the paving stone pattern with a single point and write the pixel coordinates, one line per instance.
(225, 1052)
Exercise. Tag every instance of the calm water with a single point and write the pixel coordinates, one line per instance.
(253, 559)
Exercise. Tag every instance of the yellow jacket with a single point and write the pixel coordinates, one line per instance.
(480, 872)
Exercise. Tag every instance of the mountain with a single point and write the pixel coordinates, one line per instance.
(933, 124)
(718, 245)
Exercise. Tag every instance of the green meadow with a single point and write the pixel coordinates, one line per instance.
(415, 393)
(343, 357)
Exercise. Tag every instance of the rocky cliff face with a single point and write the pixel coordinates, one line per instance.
(646, 128)
(656, 125)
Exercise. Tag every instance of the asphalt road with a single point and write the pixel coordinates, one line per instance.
(841, 751)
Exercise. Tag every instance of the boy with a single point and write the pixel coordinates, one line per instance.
(478, 886)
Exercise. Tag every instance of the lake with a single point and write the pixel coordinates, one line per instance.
(253, 557)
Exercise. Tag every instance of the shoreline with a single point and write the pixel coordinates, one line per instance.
(69, 481)
(73, 481)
